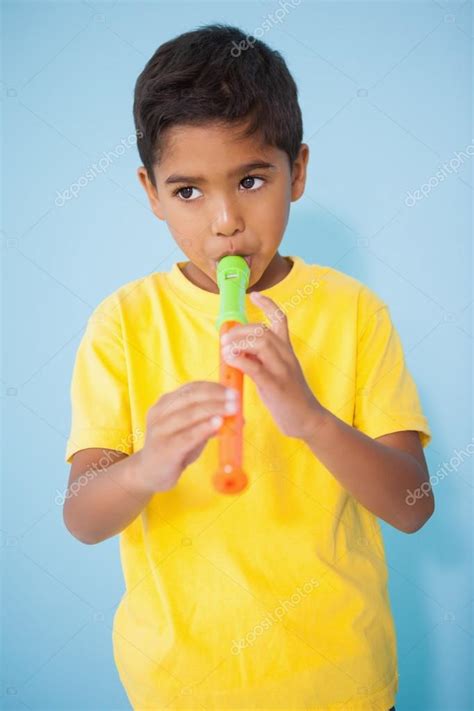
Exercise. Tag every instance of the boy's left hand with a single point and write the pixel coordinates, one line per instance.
(266, 355)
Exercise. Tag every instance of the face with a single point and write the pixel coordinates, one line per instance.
(223, 194)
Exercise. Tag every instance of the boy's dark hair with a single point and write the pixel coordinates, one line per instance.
(216, 73)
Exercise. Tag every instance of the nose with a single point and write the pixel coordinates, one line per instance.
(228, 220)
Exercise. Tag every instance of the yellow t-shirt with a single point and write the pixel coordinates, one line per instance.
(275, 598)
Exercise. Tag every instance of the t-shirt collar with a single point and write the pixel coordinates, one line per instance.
(208, 303)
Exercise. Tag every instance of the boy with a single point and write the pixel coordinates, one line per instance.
(275, 598)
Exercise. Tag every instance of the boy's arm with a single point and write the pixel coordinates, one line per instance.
(383, 474)
(102, 500)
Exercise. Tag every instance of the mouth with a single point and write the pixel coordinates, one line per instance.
(248, 259)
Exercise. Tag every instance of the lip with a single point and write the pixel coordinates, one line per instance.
(247, 258)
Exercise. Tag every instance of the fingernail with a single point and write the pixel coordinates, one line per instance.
(231, 406)
(216, 421)
(231, 394)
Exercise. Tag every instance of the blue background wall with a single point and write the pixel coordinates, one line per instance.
(384, 90)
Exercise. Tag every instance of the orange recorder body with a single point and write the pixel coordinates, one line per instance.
(233, 275)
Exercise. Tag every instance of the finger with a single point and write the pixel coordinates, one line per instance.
(187, 395)
(259, 340)
(197, 434)
(268, 350)
(277, 317)
(250, 365)
(243, 330)
(180, 421)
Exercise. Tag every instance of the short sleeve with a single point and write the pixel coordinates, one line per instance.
(387, 398)
(100, 405)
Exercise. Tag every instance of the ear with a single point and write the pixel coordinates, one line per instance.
(298, 172)
(151, 192)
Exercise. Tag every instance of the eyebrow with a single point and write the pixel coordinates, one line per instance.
(174, 178)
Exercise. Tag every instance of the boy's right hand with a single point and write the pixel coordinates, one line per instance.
(179, 425)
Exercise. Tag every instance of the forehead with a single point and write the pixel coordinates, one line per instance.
(213, 147)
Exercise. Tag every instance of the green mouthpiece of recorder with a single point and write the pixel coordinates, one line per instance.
(233, 274)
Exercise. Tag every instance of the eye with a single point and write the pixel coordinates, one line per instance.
(252, 182)
(186, 193)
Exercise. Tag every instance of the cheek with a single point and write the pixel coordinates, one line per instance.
(272, 210)
(186, 225)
